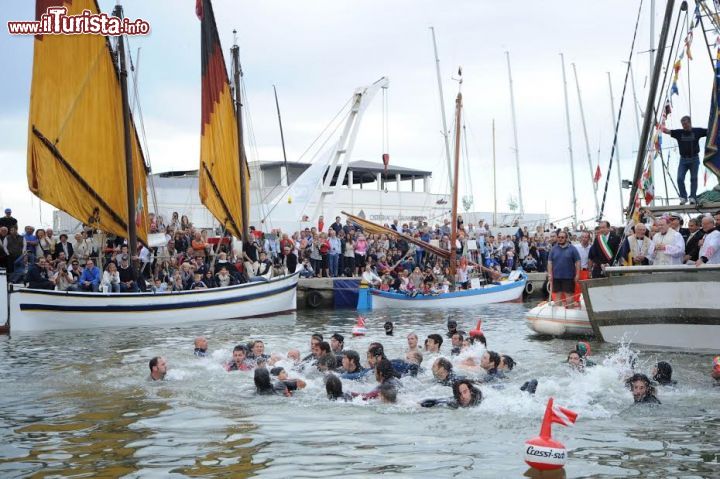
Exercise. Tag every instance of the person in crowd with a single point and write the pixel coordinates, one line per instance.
(158, 369)
(257, 351)
(669, 245)
(111, 279)
(337, 344)
(603, 250)
(692, 244)
(637, 248)
(642, 390)
(575, 361)
(506, 363)
(64, 279)
(710, 250)
(452, 328)
(201, 347)
(662, 374)
(39, 275)
(370, 277)
(563, 268)
(64, 246)
(687, 139)
(91, 277)
(456, 343)
(490, 362)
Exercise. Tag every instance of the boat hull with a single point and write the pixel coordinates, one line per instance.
(461, 299)
(550, 319)
(35, 310)
(675, 307)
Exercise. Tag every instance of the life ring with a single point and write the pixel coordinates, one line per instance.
(529, 288)
(313, 299)
(547, 287)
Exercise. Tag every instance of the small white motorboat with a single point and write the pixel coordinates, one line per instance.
(552, 319)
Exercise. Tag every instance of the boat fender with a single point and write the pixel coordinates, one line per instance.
(529, 288)
(313, 299)
(547, 287)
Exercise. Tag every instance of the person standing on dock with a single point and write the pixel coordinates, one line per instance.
(687, 139)
(603, 250)
(563, 268)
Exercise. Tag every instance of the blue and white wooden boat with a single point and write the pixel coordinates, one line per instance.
(26, 309)
(506, 290)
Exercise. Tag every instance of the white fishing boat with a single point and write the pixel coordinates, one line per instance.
(553, 319)
(506, 290)
(84, 158)
(669, 306)
(672, 305)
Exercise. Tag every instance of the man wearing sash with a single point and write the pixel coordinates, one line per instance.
(603, 250)
(637, 249)
(669, 245)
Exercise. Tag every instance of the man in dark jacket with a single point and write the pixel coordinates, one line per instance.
(603, 250)
(290, 260)
(8, 221)
(14, 248)
(38, 276)
(64, 246)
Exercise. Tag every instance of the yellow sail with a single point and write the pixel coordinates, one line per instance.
(220, 188)
(76, 152)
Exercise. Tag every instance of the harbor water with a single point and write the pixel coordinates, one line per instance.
(78, 404)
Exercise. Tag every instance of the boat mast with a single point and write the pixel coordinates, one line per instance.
(453, 231)
(494, 176)
(514, 123)
(244, 207)
(282, 136)
(570, 150)
(445, 132)
(587, 143)
(649, 116)
(617, 153)
(130, 183)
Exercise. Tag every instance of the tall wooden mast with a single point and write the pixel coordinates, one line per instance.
(453, 231)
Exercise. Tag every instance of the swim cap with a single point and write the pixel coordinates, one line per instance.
(716, 363)
(583, 348)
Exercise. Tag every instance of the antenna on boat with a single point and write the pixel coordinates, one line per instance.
(617, 153)
(587, 142)
(569, 132)
(514, 123)
(494, 176)
(445, 131)
(282, 136)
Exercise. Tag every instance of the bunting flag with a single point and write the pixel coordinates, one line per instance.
(711, 159)
(688, 43)
(598, 174)
(220, 162)
(648, 186)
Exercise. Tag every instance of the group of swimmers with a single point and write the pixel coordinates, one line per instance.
(272, 372)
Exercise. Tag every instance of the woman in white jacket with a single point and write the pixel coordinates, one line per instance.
(111, 279)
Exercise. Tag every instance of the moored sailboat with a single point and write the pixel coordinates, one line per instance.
(84, 158)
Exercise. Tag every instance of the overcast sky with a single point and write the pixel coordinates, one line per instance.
(318, 51)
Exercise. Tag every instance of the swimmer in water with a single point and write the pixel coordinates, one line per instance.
(201, 347)
(337, 344)
(291, 384)
(334, 389)
(388, 326)
(490, 362)
(715, 373)
(583, 349)
(643, 392)
(352, 369)
(452, 328)
(326, 363)
(265, 386)
(412, 340)
(386, 375)
(456, 342)
(506, 363)
(575, 361)
(662, 374)
(465, 394)
(433, 343)
(442, 370)
(257, 351)
(158, 369)
(240, 362)
(387, 393)
(315, 339)
(414, 359)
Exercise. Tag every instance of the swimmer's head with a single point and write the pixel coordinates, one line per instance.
(333, 387)
(239, 353)
(583, 348)
(506, 362)
(294, 355)
(384, 370)
(351, 361)
(574, 359)
(662, 372)
(441, 368)
(414, 357)
(388, 393)
(640, 386)
(388, 326)
(466, 394)
(201, 343)
(262, 380)
(280, 373)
